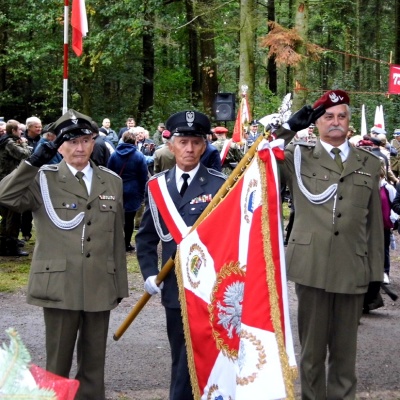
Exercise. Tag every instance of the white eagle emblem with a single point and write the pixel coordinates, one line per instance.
(335, 98)
(190, 117)
(230, 314)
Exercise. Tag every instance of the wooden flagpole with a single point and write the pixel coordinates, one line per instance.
(222, 192)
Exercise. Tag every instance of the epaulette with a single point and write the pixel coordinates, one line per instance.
(304, 144)
(368, 151)
(217, 173)
(109, 171)
(159, 174)
(49, 167)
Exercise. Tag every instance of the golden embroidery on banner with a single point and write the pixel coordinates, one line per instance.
(195, 260)
(232, 268)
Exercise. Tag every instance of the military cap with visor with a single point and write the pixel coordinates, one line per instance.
(188, 123)
(72, 125)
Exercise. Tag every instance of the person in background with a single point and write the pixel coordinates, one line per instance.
(163, 157)
(211, 158)
(79, 275)
(351, 132)
(186, 183)
(2, 128)
(395, 160)
(130, 123)
(253, 133)
(101, 153)
(13, 149)
(229, 151)
(336, 245)
(157, 136)
(130, 165)
(110, 134)
(49, 136)
(32, 135)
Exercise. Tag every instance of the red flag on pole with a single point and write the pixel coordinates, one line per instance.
(79, 25)
(232, 284)
(243, 118)
(394, 79)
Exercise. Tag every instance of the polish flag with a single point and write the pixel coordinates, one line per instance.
(232, 287)
(79, 25)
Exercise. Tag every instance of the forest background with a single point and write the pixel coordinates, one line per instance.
(150, 58)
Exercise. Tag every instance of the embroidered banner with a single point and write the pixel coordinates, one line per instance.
(232, 284)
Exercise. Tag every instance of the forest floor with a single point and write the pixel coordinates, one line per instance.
(138, 365)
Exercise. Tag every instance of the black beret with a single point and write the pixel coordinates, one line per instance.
(188, 123)
(72, 125)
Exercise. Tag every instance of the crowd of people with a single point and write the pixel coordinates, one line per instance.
(89, 187)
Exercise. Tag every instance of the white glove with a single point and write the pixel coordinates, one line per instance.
(150, 285)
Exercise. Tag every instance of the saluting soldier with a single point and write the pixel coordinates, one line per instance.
(78, 272)
(189, 187)
(336, 245)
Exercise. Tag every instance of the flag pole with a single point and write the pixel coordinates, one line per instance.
(65, 69)
(222, 192)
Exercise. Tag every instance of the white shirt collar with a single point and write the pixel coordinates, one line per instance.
(344, 149)
(179, 172)
(88, 174)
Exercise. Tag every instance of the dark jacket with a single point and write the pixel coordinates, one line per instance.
(133, 165)
(211, 158)
(205, 182)
(100, 154)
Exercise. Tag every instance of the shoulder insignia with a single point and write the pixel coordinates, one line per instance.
(159, 174)
(216, 173)
(109, 171)
(49, 167)
(369, 152)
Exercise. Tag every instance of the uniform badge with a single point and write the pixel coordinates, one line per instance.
(106, 197)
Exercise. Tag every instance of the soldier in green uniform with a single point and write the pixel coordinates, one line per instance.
(336, 245)
(78, 272)
(230, 152)
(395, 160)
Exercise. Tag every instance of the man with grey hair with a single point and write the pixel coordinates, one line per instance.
(33, 131)
(2, 128)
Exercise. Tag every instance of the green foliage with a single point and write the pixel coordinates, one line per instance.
(14, 360)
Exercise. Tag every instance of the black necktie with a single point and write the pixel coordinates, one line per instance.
(79, 175)
(337, 158)
(185, 185)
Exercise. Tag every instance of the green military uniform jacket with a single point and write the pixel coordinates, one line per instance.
(395, 160)
(337, 245)
(83, 268)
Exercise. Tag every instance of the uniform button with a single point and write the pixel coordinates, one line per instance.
(87, 255)
(341, 180)
(64, 204)
(89, 207)
(88, 239)
(336, 233)
(340, 197)
(314, 174)
(110, 207)
(339, 215)
(89, 223)
(366, 253)
(365, 182)
(47, 268)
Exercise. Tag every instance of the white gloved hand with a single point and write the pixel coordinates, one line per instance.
(150, 285)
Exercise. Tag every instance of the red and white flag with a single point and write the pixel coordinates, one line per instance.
(394, 79)
(79, 25)
(233, 293)
(243, 119)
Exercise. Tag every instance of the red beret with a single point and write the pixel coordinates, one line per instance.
(166, 134)
(220, 129)
(332, 98)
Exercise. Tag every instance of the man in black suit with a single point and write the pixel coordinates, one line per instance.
(188, 143)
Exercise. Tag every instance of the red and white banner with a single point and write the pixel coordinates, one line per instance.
(79, 25)
(233, 293)
(394, 79)
(243, 119)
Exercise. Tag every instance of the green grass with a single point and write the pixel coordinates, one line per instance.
(13, 274)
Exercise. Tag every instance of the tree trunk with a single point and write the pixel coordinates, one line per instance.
(147, 91)
(271, 66)
(209, 81)
(247, 44)
(193, 53)
(300, 73)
